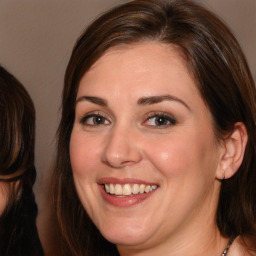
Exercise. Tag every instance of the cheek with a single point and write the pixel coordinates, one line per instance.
(182, 154)
(85, 155)
(83, 163)
(80, 154)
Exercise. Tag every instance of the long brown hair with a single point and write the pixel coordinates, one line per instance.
(216, 62)
(18, 233)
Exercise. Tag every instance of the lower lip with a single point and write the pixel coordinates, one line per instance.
(125, 201)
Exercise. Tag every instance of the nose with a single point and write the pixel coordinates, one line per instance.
(121, 148)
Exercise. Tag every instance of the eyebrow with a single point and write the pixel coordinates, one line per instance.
(157, 99)
(95, 100)
(141, 101)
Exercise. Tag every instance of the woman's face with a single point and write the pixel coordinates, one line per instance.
(143, 151)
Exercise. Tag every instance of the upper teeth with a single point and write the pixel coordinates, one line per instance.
(128, 189)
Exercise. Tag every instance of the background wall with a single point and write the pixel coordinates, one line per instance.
(36, 39)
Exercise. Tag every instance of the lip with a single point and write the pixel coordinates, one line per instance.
(113, 180)
(124, 201)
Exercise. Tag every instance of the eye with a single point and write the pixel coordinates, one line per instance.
(160, 120)
(94, 120)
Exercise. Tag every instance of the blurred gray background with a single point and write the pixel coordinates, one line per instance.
(36, 40)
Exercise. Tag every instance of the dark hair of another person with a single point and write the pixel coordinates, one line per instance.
(217, 64)
(18, 232)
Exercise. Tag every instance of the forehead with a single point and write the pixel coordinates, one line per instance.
(137, 49)
(146, 68)
(148, 62)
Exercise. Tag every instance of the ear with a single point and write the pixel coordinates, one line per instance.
(232, 152)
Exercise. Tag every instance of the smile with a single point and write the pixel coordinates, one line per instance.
(128, 189)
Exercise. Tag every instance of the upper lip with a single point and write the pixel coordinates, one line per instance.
(122, 181)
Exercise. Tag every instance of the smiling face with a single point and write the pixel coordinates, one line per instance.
(143, 151)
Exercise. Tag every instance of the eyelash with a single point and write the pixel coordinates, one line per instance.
(167, 119)
(85, 119)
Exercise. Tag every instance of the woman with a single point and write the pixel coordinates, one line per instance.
(156, 144)
(18, 208)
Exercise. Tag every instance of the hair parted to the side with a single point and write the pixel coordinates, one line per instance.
(216, 62)
(18, 232)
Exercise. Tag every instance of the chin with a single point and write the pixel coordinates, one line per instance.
(129, 234)
(125, 239)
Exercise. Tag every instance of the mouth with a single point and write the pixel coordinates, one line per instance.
(128, 189)
(126, 192)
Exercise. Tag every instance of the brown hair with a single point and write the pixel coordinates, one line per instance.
(216, 62)
(17, 138)
(17, 124)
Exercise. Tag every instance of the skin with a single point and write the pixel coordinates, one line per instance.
(183, 157)
(3, 195)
